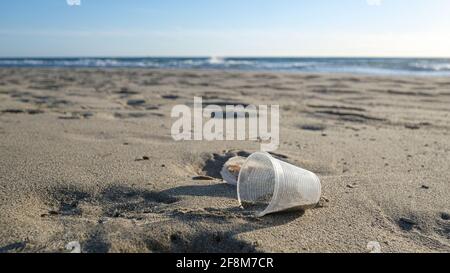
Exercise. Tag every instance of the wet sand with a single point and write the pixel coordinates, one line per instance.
(87, 155)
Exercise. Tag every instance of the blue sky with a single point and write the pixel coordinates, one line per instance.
(33, 28)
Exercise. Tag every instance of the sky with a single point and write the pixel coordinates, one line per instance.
(316, 28)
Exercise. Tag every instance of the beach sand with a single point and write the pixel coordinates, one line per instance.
(87, 155)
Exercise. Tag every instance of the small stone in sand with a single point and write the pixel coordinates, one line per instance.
(74, 247)
(425, 187)
(143, 158)
(445, 216)
(323, 202)
(374, 247)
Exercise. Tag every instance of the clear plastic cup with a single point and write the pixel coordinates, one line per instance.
(269, 185)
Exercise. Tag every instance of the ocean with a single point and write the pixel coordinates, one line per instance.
(377, 66)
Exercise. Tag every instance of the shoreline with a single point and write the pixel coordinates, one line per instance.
(235, 71)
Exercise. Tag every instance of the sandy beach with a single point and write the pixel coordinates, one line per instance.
(87, 155)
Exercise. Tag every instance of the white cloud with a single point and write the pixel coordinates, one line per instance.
(374, 2)
(73, 2)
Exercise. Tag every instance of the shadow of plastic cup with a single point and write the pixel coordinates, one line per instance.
(269, 185)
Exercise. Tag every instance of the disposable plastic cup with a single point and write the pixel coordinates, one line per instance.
(269, 185)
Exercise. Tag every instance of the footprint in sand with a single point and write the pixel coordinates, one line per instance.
(213, 163)
(135, 102)
(313, 127)
(170, 97)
